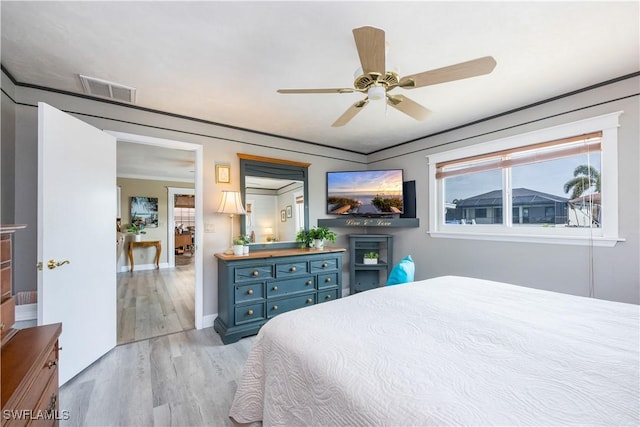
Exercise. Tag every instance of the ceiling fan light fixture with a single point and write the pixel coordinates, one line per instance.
(376, 93)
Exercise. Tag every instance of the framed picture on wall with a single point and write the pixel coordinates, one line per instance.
(144, 211)
(283, 216)
(289, 211)
(223, 174)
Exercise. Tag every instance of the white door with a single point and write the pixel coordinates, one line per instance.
(76, 223)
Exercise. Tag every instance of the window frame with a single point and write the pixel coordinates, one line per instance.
(607, 235)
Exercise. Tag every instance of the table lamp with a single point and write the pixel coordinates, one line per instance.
(231, 204)
(268, 233)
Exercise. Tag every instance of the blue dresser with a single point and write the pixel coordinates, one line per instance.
(253, 288)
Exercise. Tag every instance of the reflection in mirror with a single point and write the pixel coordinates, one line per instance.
(274, 193)
(275, 209)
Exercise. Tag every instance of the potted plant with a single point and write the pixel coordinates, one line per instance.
(238, 245)
(370, 258)
(320, 234)
(245, 243)
(304, 238)
(137, 229)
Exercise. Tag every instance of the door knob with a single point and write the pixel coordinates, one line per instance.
(53, 263)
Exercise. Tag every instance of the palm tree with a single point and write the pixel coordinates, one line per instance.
(585, 177)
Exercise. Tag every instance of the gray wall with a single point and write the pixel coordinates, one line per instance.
(554, 267)
(7, 152)
(220, 145)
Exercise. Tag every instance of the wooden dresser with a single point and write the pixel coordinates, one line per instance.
(28, 357)
(255, 287)
(30, 377)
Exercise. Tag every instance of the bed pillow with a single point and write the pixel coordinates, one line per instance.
(402, 272)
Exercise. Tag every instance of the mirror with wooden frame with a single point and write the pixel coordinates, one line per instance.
(275, 196)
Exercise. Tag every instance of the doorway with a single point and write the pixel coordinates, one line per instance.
(181, 215)
(171, 297)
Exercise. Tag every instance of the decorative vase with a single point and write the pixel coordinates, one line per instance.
(137, 237)
(370, 260)
(319, 244)
(238, 249)
(245, 250)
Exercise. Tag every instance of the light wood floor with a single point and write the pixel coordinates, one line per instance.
(183, 379)
(152, 303)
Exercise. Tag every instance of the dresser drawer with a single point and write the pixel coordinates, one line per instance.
(7, 314)
(327, 280)
(289, 269)
(291, 286)
(287, 304)
(5, 280)
(249, 292)
(49, 401)
(47, 372)
(249, 313)
(255, 272)
(5, 249)
(329, 295)
(320, 265)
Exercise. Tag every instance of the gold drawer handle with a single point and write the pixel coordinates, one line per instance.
(309, 282)
(1, 326)
(325, 265)
(328, 279)
(275, 307)
(309, 300)
(250, 312)
(327, 297)
(293, 269)
(52, 363)
(275, 289)
(255, 273)
(250, 292)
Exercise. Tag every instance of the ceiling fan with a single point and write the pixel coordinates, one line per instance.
(376, 82)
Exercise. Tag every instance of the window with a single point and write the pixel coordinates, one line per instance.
(184, 218)
(560, 184)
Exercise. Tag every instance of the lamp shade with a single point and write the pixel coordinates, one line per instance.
(376, 93)
(231, 203)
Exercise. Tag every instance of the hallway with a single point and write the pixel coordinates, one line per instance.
(152, 303)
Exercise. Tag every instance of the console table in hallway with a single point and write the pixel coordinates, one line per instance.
(145, 244)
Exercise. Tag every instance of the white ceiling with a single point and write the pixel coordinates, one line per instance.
(224, 61)
(141, 161)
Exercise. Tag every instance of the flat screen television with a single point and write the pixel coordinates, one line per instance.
(365, 193)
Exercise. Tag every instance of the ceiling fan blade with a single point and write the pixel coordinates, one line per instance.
(463, 70)
(350, 113)
(339, 90)
(370, 45)
(408, 106)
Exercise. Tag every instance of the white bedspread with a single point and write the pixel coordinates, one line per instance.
(446, 351)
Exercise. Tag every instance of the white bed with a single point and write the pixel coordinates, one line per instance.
(446, 351)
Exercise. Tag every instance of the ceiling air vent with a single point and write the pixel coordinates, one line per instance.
(105, 89)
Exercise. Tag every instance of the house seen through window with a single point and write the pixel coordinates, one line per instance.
(562, 191)
(551, 187)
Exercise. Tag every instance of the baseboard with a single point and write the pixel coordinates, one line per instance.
(207, 320)
(142, 267)
(26, 312)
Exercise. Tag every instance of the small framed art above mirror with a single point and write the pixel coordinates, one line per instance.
(275, 196)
